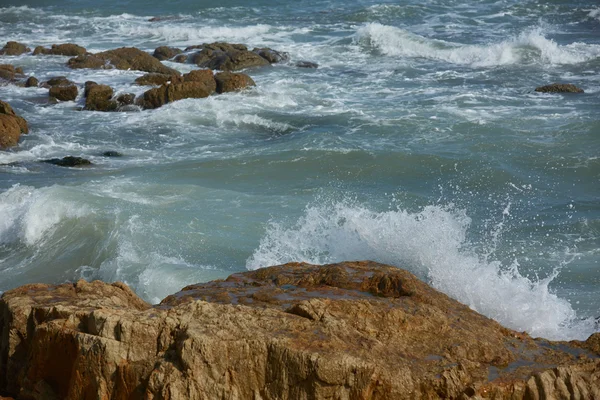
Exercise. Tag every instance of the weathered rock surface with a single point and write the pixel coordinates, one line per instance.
(14, 49)
(196, 84)
(11, 126)
(99, 98)
(32, 81)
(165, 52)
(57, 81)
(123, 58)
(68, 161)
(231, 82)
(66, 49)
(559, 88)
(355, 330)
(154, 79)
(226, 57)
(63, 93)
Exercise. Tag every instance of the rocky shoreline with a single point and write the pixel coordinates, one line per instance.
(353, 330)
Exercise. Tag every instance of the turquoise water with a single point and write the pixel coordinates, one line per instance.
(418, 142)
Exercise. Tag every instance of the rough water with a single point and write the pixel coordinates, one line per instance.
(418, 142)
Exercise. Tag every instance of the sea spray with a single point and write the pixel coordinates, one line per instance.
(433, 244)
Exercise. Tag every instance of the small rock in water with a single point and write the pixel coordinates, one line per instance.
(112, 153)
(66, 49)
(32, 82)
(231, 82)
(57, 81)
(559, 88)
(166, 52)
(306, 64)
(14, 49)
(68, 161)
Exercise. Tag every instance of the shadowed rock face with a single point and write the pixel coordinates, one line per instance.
(354, 330)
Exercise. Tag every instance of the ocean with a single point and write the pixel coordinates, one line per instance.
(419, 141)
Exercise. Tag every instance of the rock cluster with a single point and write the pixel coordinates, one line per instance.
(11, 126)
(354, 330)
(66, 49)
(122, 58)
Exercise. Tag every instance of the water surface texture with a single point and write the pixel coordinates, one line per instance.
(418, 142)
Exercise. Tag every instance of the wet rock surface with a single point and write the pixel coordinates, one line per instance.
(11, 126)
(14, 49)
(65, 49)
(68, 161)
(559, 88)
(232, 82)
(123, 58)
(353, 330)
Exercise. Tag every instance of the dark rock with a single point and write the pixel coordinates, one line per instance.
(69, 161)
(123, 58)
(64, 93)
(306, 64)
(166, 52)
(227, 57)
(559, 88)
(57, 81)
(181, 58)
(112, 153)
(31, 82)
(14, 49)
(125, 99)
(87, 86)
(163, 18)
(230, 82)
(99, 98)
(66, 49)
(11, 126)
(272, 56)
(154, 79)
(19, 70)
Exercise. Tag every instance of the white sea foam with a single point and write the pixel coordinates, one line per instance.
(29, 215)
(433, 244)
(529, 46)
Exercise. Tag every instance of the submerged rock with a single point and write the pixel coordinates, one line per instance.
(11, 126)
(32, 81)
(69, 161)
(306, 64)
(123, 58)
(354, 330)
(272, 56)
(112, 153)
(66, 49)
(559, 88)
(14, 49)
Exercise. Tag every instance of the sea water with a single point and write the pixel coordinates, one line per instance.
(418, 142)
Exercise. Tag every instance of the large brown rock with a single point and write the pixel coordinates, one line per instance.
(231, 82)
(195, 84)
(154, 79)
(66, 49)
(11, 126)
(355, 330)
(226, 57)
(14, 49)
(99, 98)
(63, 93)
(123, 58)
(559, 88)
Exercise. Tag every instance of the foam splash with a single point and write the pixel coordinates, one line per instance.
(528, 47)
(432, 244)
(30, 215)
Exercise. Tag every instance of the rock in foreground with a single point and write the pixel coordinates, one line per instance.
(356, 330)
